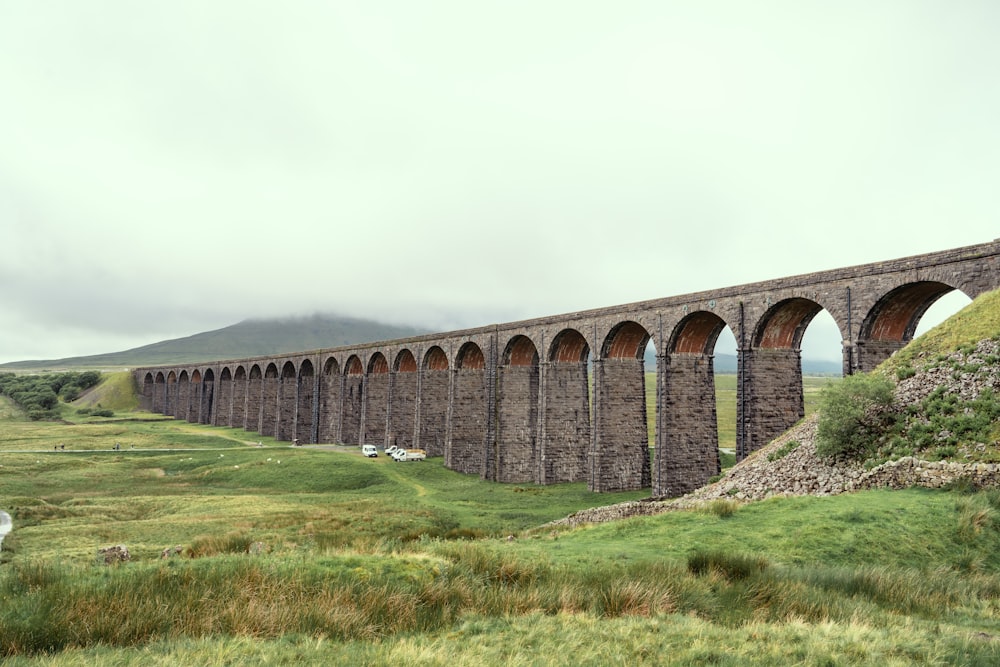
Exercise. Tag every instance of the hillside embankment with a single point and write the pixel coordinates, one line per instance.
(789, 465)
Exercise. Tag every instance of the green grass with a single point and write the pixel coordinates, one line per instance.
(374, 562)
(725, 404)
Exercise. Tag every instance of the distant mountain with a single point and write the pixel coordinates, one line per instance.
(250, 338)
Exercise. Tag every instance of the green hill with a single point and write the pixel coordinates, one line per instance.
(250, 338)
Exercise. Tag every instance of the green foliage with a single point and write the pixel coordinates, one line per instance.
(853, 413)
(38, 395)
(944, 426)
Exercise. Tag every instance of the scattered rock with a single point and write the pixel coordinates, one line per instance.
(170, 552)
(113, 555)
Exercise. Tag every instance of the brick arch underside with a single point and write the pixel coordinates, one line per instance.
(566, 430)
(435, 378)
(892, 321)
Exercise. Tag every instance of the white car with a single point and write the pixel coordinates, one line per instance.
(369, 451)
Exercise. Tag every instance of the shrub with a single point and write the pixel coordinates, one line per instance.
(722, 507)
(731, 566)
(852, 413)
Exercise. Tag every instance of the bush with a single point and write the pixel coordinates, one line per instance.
(852, 413)
(731, 566)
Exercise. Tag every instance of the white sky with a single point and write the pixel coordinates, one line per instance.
(171, 168)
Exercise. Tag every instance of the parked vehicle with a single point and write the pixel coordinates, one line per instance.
(401, 454)
(369, 451)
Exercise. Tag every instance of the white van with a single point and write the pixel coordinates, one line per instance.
(369, 451)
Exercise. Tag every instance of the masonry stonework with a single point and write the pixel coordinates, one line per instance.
(513, 416)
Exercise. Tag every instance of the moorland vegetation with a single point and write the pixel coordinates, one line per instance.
(317, 555)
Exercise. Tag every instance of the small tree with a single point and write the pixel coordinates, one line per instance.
(852, 413)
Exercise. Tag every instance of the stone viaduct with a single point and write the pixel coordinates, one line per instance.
(562, 398)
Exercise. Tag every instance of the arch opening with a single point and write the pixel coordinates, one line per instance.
(435, 359)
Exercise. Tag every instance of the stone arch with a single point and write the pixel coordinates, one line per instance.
(516, 454)
(224, 409)
(402, 400)
(330, 393)
(255, 385)
(620, 458)
(354, 379)
(433, 401)
(697, 333)
(305, 393)
(405, 362)
(172, 394)
(566, 425)
(377, 365)
(770, 395)
(148, 392)
(569, 347)
(376, 400)
(893, 320)
(464, 449)
(784, 324)
(206, 397)
(269, 400)
(240, 393)
(520, 351)
(687, 433)
(435, 359)
(194, 397)
(285, 401)
(626, 340)
(470, 357)
(183, 407)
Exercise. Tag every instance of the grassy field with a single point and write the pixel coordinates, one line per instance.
(725, 404)
(368, 561)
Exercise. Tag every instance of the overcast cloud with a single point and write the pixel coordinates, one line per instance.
(171, 168)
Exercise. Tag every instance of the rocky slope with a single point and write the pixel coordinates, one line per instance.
(789, 466)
